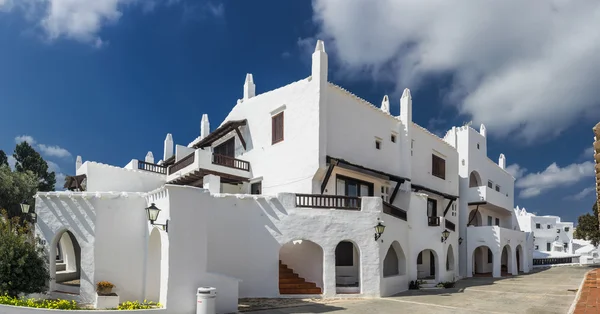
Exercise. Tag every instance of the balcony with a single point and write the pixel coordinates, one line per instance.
(433, 221)
(328, 201)
(492, 197)
(190, 169)
(494, 235)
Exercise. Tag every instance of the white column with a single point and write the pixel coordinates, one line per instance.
(212, 183)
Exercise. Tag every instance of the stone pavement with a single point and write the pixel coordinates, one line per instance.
(550, 290)
(589, 299)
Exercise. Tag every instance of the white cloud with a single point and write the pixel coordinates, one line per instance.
(581, 195)
(516, 171)
(588, 153)
(25, 138)
(534, 184)
(531, 70)
(53, 151)
(60, 177)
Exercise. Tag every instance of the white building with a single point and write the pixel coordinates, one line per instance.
(283, 198)
(552, 238)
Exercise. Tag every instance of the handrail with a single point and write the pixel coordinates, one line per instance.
(328, 201)
(231, 162)
(433, 221)
(182, 163)
(142, 165)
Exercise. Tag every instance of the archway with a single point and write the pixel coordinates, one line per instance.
(474, 218)
(506, 261)
(427, 265)
(300, 268)
(474, 179)
(520, 258)
(394, 263)
(347, 268)
(154, 266)
(67, 270)
(482, 261)
(450, 259)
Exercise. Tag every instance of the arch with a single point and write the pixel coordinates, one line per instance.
(301, 263)
(347, 267)
(474, 179)
(394, 263)
(520, 258)
(428, 265)
(474, 218)
(506, 261)
(154, 266)
(66, 272)
(482, 261)
(450, 259)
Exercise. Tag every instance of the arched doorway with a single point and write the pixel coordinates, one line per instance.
(482, 261)
(154, 266)
(474, 218)
(450, 259)
(300, 268)
(427, 265)
(394, 263)
(506, 261)
(347, 268)
(66, 271)
(474, 179)
(520, 258)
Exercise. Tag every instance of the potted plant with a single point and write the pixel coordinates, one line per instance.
(104, 287)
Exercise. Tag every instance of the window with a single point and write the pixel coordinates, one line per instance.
(566, 246)
(385, 193)
(477, 145)
(536, 247)
(256, 188)
(566, 229)
(344, 254)
(353, 187)
(438, 167)
(490, 256)
(557, 230)
(227, 148)
(454, 210)
(497, 188)
(489, 220)
(538, 226)
(377, 144)
(393, 138)
(277, 128)
(497, 221)
(431, 207)
(412, 145)
(548, 227)
(420, 258)
(490, 184)
(548, 247)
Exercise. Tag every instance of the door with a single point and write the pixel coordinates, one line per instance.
(225, 152)
(431, 264)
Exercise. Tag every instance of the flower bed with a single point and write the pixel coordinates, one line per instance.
(39, 303)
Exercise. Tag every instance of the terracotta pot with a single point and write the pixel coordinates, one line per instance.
(104, 290)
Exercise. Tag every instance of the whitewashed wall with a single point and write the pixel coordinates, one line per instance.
(106, 178)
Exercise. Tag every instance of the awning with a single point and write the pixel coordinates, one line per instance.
(222, 131)
(73, 183)
(368, 171)
(418, 188)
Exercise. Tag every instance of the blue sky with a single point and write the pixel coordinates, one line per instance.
(108, 80)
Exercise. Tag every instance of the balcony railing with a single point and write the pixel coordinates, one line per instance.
(433, 221)
(394, 211)
(328, 201)
(231, 162)
(552, 260)
(182, 163)
(142, 165)
(450, 225)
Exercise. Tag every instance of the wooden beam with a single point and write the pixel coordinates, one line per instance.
(237, 130)
(474, 215)
(332, 165)
(448, 207)
(393, 197)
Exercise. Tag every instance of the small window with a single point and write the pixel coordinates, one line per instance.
(497, 221)
(256, 188)
(490, 256)
(438, 167)
(566, 245)
(377, 144)
(393, 138)
(489, 220)
(477, 145)
(538, 226)
(548, 227)
(548, 247)
(557, 230)
(431, 207)
(412, 144)
(490, 184)
(420, 258)
(536, 247)
(497, 188)
(567, 229)
(277, 128)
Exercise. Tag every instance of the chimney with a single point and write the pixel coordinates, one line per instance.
(482, 130)
(502, 161)
(78, 163)
(204, 126)
(168, 152)
(385, 104)
(406, 107)
(149, 158)
(319, 63)
(249, 87)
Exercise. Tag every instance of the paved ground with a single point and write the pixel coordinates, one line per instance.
(543, 291)
(589, 300)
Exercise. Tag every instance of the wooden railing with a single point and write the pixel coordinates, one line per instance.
(182, 163)
(433, 221)
(450, 225)
(328, 201)
(142, 165)
(394, 211)
(231, 162)
(551, 261)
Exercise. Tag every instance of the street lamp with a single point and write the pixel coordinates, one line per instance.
(379, 230)
(152, 212)
(25, 210)
(445, 235)
(460, 240)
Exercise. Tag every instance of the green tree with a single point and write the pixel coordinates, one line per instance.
(587, 227)
(15, 187)
(23, 264)
(3, 158)
(28, 159)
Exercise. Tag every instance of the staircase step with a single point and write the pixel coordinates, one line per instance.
(427, 285)
(291, 280)
(299, 285)
(288, 275)
(301, 291)
(61, 266)
(285, 270)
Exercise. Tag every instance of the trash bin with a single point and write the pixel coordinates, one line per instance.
(206, 300)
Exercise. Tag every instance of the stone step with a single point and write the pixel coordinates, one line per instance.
(285, 270)
(301, 291)
(291, 280)
(288, 275)
(427, 285)
(299, 285)
(61, 266)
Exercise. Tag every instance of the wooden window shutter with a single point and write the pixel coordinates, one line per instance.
(277, 128)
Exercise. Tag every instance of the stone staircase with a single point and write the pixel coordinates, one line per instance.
(291, 283)
(428, 284)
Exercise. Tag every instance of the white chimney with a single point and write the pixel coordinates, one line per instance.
(78, 163)
(149, 158)
(319, 63)
(204, 126)
(249, 87)
(482, 130)
(406, 107)
(168, 151)
(385, 104)
(502, 161)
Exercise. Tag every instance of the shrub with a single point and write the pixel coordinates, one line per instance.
(446, 284)
(104, 285)
(136, 305)
(39, 303)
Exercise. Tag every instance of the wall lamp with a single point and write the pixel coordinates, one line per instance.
(460, 240)
(379, 230)
(25, 210)
(152, 211)
(445, 235)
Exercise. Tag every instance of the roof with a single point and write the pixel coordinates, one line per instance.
(417, 187)
(220, 132)
(363, 168)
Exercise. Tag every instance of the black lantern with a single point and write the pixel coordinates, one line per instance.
(460, 241)
(379, 230)
(152, 212)
(445, 235)
(25, 207)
